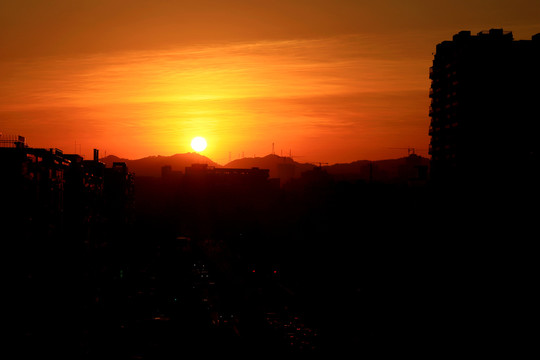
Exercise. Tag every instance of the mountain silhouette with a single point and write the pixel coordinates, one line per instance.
(151, 165)
(272, 162)
(389, 170)
(285, 168)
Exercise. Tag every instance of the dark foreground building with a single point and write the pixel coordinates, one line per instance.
(484, 125)
(46, 191)
(484, 108)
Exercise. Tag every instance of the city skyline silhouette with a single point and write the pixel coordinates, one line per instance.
(367, 184)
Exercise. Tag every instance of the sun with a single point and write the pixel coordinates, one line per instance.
(198, 144)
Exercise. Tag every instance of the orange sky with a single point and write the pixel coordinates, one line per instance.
(331, 81)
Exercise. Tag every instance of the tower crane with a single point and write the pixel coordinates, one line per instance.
(410, 150)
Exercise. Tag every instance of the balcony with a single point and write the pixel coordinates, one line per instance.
(431, 73)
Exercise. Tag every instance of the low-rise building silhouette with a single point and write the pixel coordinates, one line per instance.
(32, 182)
(204, 175)
(119, 192)
(169, 175)
(48, 190)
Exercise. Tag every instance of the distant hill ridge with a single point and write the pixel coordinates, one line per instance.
(151, 165)
(271, 162)
(360, 169)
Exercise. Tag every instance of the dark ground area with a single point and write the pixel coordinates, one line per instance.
(310, 268)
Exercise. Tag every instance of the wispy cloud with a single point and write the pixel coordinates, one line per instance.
(292, 89)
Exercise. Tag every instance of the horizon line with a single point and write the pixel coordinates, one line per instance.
(260, 157)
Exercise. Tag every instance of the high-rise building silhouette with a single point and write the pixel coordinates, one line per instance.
(485, 109)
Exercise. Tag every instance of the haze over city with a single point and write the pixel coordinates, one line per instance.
(326, 81)
(257, 178)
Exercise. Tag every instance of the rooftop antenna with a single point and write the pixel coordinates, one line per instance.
(273, 152)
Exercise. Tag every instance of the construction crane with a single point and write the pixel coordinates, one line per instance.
(410, 150)
(291, 156)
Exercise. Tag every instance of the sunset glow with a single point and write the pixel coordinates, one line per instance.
(305, 95)
(280, 177)
(319, 88)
